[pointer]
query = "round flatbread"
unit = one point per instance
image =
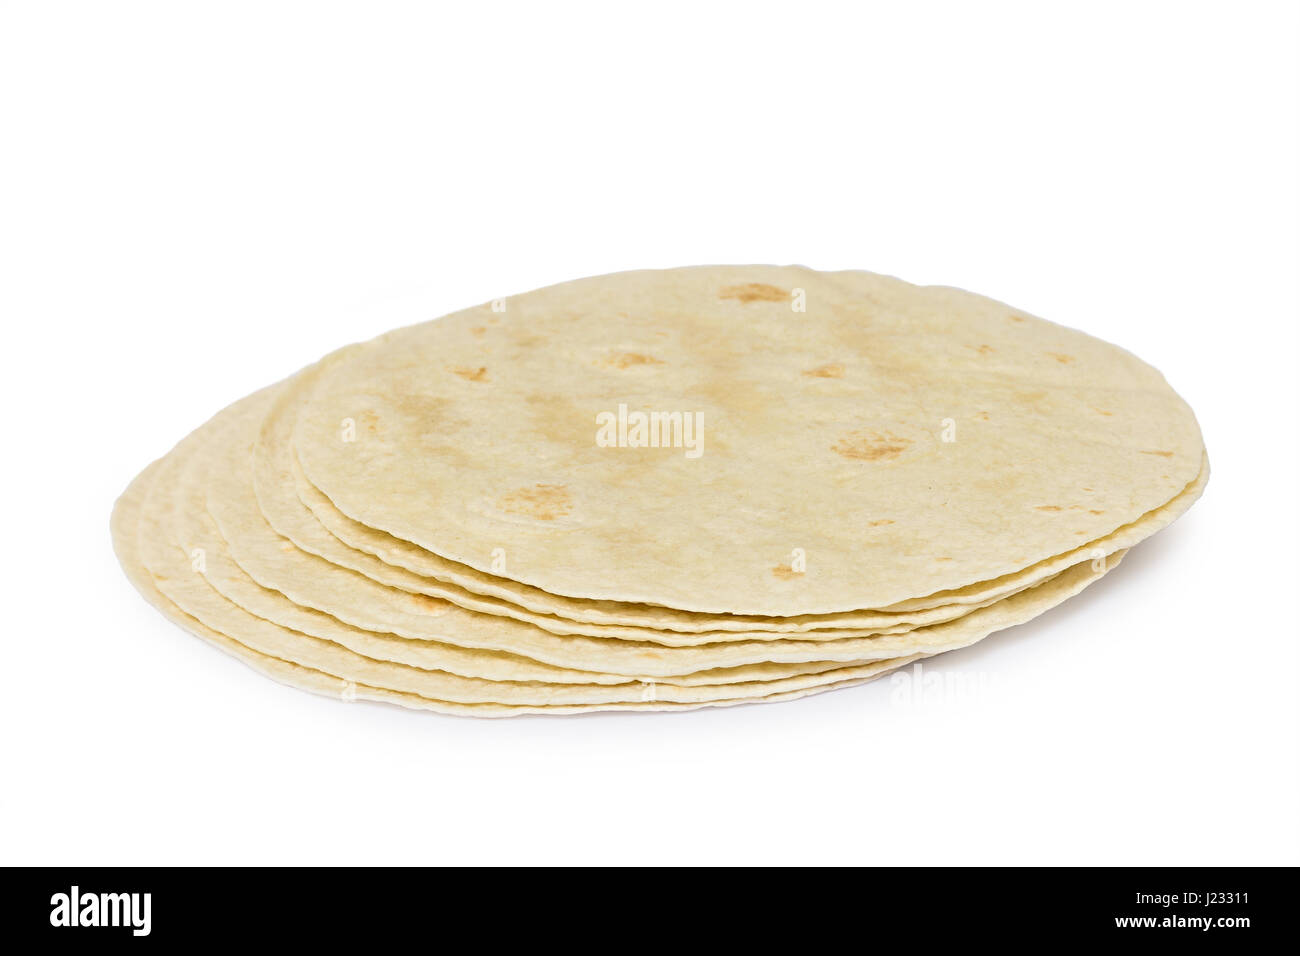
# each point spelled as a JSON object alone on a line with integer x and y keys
{"x": 827, "y": 442}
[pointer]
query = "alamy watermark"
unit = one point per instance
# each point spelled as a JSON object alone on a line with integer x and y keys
{"x": 920, "y": 686}
{"x": 76, "y": 908}
{"x": 637, "y": 429}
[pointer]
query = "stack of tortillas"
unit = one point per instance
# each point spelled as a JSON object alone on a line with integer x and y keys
{"x": 658, "y": 491}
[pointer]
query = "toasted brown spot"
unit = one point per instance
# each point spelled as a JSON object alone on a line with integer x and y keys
{"x": 943, "y": 559}
{"x": 544, "y": 502}
{"x": 1061, "y": 357}
{"x": 1016, "y": 318}
{"x": 369, "y": 420}
{"x": 877, "y": 524}
{"x": 471, "y": 374}
{"x": 1049, "y": 507}
{"x": 628, "y": 359}
{"x": 1102, "y": 411}
{"x": 478, "y": 329}
{"x": 754, "y": 292}
{"x": 982, "y": 416}
{"x": 833, "y": 370}
{"x": 785, "y": 573}
{"x": 871, "y": 446}
{"x": 424, "y": 604}
{"x": 1096, "y": 511}
{"x": 1162, "y": 454}
{"x": 1087, "y": 489}
{"x": 982, "y": 349}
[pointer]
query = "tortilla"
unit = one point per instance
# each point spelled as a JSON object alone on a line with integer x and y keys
{"x": 825, "y": 436}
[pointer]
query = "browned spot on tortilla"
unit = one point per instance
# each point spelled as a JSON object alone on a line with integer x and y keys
{"x": 833, "y": 370}
{"x": 1096, "y": 511}
{"x": 628, "y": 359}
{"x": 1162, "y": 454}
{"x": 1102, "y": 411}
{"x": 471, "y": 374}
{"x": 982, "y": 416}
{"x": 943, "y": 559}
{"x": 427, "y": 414}
{"x": 754, "y": 292}
{"x": 877, "y": 524}
{"x": 871, "y": 446}
{"x": 1049, "y": 507}
{"x": 369, "y": 420}
{"x": 1016, "y": 318}
{"x": 982, "y": 349}
{"x": 424, "y": 604}
{"x": 478, "y": 329}
{"x": 544, "y": 502}
{"x": 1061, "y": 357}
{"x": 1087, "y": 489}
{"x": 1081, "y": 532}
{"x": 784, "y": 573}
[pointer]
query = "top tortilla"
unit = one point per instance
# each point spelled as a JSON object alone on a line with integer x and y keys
{"x": 824, "y": 430}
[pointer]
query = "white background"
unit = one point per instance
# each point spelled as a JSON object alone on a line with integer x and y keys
{"x": 199, "y": 198}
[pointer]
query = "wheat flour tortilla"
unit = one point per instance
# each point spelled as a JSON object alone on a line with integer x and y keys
{"x": 168, "y": 556}
{"x": 306, "y": 580}
{"x": 125, "y": 532}
{"x": 824, "y": 431}
{"x": 282, "y": 504}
